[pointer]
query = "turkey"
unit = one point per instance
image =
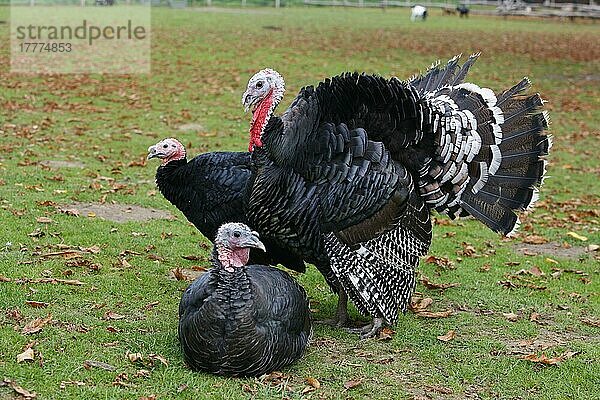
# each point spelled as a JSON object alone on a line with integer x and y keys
{"x": 210, "y": 191}
{"x": 349, "y": 174}
{"x": 239, "y": 320}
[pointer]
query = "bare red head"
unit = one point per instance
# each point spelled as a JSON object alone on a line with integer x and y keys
{"x": 167, "y": 150}
{"x": 233, "y": 243}
{"x": 263, "y": 94}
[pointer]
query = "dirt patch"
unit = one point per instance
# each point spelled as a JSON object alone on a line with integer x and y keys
{"x": 191, "y": 127}
{"x": 551, "y": 249}
{"x": 116, "y": 212}
{"x": 62, "y": 164}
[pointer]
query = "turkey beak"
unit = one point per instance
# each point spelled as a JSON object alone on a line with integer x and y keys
{"x": 247, "y": 100}
{"x": 254, "y": 241}
{"x": 152, "y": 153}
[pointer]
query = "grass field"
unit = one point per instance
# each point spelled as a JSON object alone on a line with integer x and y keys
{"x": 83, "y": 138}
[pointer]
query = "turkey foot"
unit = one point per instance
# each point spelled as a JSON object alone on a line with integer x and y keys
{"x": 341, "y": 318}
{"x": 369, "y": 331}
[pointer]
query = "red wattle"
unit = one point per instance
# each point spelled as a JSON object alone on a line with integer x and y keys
{"x": 259, "y": 120}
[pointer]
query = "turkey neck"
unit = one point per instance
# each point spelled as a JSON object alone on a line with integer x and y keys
{"x": 232, "y": 290}
{"x": 171, "y": 179}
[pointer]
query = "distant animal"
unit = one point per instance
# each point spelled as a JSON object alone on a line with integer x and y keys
{"x": 240, "y": 320}
{"x": 210, "y": 190}
{"x": 418, "y": 12}
{"x": 463, "y": 10}
{"x": 348, "y": 175}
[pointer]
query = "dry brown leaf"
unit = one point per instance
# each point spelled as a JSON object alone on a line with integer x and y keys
{"x": 535, "y": 239}
{"x": 434, "y": 314}
{"x": 443, "y": 262}
{"x": 577, "y": 236}
{"x": 18, "y": 389}
{"x": 36, "y": 304}
{"x": 112, "y": 315}
{"x": 36, "y": 325}
{"x": 88, "y": 364}
{"x": 158, "y": 357}
{"x": 417, "y": 305}
{"x": 193, "y": 258}
{"x": 386, "y": 333}
{"x": 27, "y": 355}
{"x": 44, "y": 220}
{"x": 178, "y": 274}
{"x": 352, "y": 383}
{"x": 313, "y": 382}
{"x": 5, "y": 279}
{"x": 536, "y": 271}
{"x": 64, "y": 384}
{"x": 512, "y": 317}
{"x": 451, "y": 334}
{"x": 430, "y": 285}
{"x": 134, "y": 357}
{"x": 591, "y": 321}
{"x": 544, "y": 359}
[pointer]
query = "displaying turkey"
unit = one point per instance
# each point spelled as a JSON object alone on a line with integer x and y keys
{"x": 240, "y": 320}
{"x": 210, "y": 190}
{"x": 348, "y": 175}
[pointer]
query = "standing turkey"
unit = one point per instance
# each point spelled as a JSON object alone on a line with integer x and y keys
{"x": 348, "y": 175}
{"x": 210, "y": 190}
{"x": 240, "y": 320}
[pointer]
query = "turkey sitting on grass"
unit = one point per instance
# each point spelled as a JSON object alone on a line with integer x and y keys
{"x": 210, "y": 191}
{"x": 348, "y": 175}
{"x": 240, "y": 320}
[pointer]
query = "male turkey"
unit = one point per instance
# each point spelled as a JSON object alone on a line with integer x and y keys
{"x": 210, "y": 191}
{"x": 348, "y": 175}
{"x": 240, "y": 320}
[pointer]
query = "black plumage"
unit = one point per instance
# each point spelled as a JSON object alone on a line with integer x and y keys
{"x": 348, "y": 175}
{"x": 210, "y": 190}
{"x": 239, "y": 320}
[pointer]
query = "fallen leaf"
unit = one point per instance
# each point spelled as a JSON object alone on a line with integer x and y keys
{"x": 512, "y": 317}
{"x": 352, "y": 383}
{"x": 386, "y": 333}
{"x": 577, "y": 236}
{"x": 36, "y": 325}
{"x": 451, "y": 334}
{"x": 193, "y": 258}
{"x": 591, "y": 321}
{"x": 88, "y": 364}
{"x": 112, "y": 315}
{"x": 27, "y": 355}
{"x": 134, "y": 357}
{"x": 593, "y": 247}
{"x": 544, "y": 359}
{"x": 36, "y": 304}
{"x": 178, "y": 274}
{"x": 536, "y": 271}
{"x": 535, "y": 239}
{"x": 159, "y": 358}
{"x": 64, "y": 384}
{"x": 434, "y": 314}
{"x": 430, "y": 285}
{"x": 18, "y": 389}
{"x": 313, "y": 382}
{"x": 44, "y": 220}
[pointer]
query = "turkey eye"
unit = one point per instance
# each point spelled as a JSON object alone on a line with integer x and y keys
{"x": 236, "y": 234}
{"x": 165, "y": 146}
{"x": 259, "y": 85}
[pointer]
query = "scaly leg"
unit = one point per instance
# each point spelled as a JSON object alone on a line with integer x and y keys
{"x": 341, "y": 317}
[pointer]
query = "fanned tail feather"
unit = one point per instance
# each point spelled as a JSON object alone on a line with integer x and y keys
{"x": 490, "y": 149}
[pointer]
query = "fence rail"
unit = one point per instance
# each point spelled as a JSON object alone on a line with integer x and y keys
{"x": 496, "y": 7}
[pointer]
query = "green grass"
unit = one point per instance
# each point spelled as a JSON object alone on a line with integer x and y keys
{"x": 201, "y": 63}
